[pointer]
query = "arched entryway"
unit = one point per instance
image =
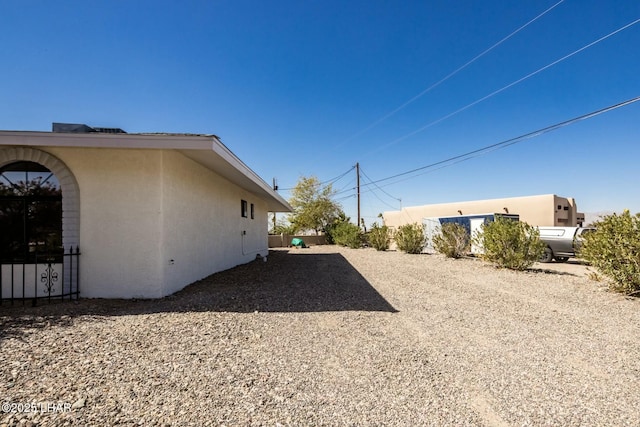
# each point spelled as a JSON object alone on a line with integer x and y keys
{"x": 40, "y": 221}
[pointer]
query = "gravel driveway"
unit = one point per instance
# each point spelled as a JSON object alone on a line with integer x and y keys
{"x": 334, "y": 336}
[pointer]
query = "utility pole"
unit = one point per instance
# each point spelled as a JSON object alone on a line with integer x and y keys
{"x": 358, "y": 190}
{"x": 275, "y": 188}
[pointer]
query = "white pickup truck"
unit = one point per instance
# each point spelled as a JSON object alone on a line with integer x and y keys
{"x": 562, "y": 242}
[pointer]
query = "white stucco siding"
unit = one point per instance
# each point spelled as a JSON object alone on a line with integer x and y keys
{"x": 202, "y": 223}
{"x": 151, "y": 213}
{"x": 120, "y": 220}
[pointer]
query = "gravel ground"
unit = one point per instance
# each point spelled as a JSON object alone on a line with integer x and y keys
{"x": 333, "y": 336}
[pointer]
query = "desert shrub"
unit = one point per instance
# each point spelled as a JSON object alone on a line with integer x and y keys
{"x": 330, "y": 228}
{"x": 347, "y": 234}
{"x": 453, "y": 240}
{"x": 614, "y": 250}
{"x": 510, "y": 244}
{"x": 379, "y": 237}
{"x": 410, "y": 238}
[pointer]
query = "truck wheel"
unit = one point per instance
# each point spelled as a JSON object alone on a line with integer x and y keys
{"x": 547, "y": 256}
{"x": 562, "y": 258}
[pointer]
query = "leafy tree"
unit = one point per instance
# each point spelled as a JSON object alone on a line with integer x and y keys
{"x": 510, "y": 244}
{"x": 453, "y": 240}
{"x": 410, "y": 238}
{"x": 313, "y": 207}
{"x": 614, "y": 249}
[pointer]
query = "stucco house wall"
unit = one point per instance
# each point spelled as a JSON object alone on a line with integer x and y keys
{"x": 120, "y": 212}
{"x": 151, "y": 214}
{"x": 202, "y": 226}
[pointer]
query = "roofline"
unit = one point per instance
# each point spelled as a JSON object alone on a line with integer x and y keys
{"x": 195, "y": 147}
{"x": 481, "y": 200}
{"x": 107, "y": 140}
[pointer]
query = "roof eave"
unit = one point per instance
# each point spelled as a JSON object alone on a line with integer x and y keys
{"x": 207, "y": 150}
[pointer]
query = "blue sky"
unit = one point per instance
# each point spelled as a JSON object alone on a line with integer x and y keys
{"x": 298, "y": 88}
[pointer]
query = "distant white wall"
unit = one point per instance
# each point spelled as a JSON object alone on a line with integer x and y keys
{"x": 284, "y": 240}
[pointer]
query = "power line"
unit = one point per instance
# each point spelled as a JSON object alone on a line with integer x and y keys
{"x": 350, "y": 183}
{"x": 520, "y": 80}
{"x": 329, "y": 181}
{"x": 376, "y": 185}
{"x": 448, "y": 76}
{"x": 481, "y": 151}
{"x": 382, "y": 201}
{"x": 345, "y": 191}
{"x": 345, "y": 197}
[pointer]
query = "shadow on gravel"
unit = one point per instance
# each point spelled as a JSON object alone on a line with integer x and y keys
{"x": 288, "y": 282}
{"x": 551, "y": 271}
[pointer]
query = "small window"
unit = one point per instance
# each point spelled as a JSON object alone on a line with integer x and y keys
{"x": 243, "y": 208}
{"x": 252, "y": 211}
{"x": 559, "y": 207}
{"x": 566, "y": 208}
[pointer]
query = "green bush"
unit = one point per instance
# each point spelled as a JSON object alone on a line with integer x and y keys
{"x": 330, "y": 228}
{"x": 410, "y": 238}
{"x": 453, "y": 240}
{"x": 510, "y": 244}
{"x": 347, "y": 234}
{"x": 614, "y": 249}
{"x": 379, "y": 237}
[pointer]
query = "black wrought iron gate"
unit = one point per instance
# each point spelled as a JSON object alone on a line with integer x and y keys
{"x": 47, "y": 277}
{"x": 33, "y": 263}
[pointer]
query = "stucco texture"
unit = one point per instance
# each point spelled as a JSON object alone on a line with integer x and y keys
{"x": 152, "y": 221}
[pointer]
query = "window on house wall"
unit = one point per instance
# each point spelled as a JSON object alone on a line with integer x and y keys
{"x": 30, "y": 212}
{"x": 243, "y": 208}
{"x": 252, "y": 211}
